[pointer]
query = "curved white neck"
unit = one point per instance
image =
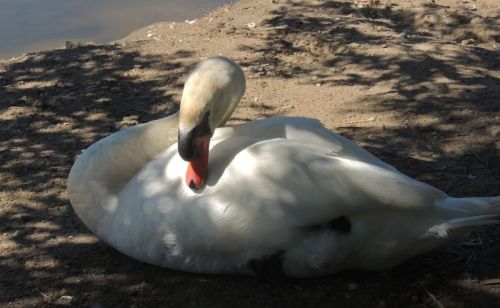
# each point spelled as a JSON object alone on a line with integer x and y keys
{"x": 102, "y": 170}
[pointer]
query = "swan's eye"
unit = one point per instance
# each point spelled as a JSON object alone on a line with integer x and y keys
{"x": 203, "y": 128}
{"x": 186, "y": 146}
{"x": 187, "y": 141}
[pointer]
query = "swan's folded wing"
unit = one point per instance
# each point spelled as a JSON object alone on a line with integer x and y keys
{"x": 305, "y": 184}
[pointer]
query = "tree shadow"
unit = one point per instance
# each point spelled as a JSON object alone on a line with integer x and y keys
{"x": 435, "y": 85}
{"x": 444, "y": 92}
{"x": 56, "y": 103}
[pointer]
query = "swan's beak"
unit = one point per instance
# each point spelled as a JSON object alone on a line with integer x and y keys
{"x": 197, "y": 166}
{"x": 193, "y": 148}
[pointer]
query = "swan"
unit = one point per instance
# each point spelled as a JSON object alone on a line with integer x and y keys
{"x": 281, "y": 196}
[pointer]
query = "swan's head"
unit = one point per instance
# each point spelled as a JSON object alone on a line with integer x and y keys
{"x": 211, "y": 92}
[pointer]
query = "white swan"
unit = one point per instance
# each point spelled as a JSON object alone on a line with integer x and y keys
{"x": 280, "y": 195}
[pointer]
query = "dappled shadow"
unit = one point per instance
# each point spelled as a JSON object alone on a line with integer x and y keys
{"x": 435, "y": 72}
{"x": 56, "y": 103}
{"x": 416, "y": 61}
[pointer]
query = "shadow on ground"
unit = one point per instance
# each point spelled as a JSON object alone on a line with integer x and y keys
{"x": 56, "y": 103}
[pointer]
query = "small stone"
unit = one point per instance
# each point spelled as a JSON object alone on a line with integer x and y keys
{"x": 494, "y": 131}
{"x": 318, "y": 84}
{"x": 468, "y": 42}
{"x": 65, "y": 300}
{"x": 251, "y": 25}
{"x": 71, "y": 45}
{"x": 371, "y": 119}
{"x": 129, "y": 121}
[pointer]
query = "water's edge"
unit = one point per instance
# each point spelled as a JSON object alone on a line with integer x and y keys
{"x": 28, "y": 30}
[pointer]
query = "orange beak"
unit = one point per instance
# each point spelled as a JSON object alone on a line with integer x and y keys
{"x": 196, "y": 173}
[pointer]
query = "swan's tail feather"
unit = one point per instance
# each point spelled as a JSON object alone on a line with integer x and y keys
{"x": 460, "y": 216}
{"x": 461, "y": 226}
{"x": 468, "y": 207}
{"x": 474, "y": 221}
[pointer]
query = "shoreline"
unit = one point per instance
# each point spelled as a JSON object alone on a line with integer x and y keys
{"x": 110, "y": 26}
{"x": 416, "y": 83}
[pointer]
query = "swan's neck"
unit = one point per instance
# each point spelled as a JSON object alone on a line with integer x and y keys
{"x": 102, "y": 170}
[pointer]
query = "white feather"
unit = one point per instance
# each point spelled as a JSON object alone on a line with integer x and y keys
{"x": 268, "y": 181}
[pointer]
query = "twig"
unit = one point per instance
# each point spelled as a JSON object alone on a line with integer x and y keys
{"x": 434, "y": 299}
{"x": 470, "y": 258}
{"x": 460, "y": 182}
{"x": 491, "y": 281}
{"x": 45, "y": 296}
{"x": 442, "y": 169}
{"x": 479, "y": 239}
{"x": 357, "y": 122}
{"x": 468, "y": 244}
{"x": 480, "y": 160}
{"x": 455, "y": 185}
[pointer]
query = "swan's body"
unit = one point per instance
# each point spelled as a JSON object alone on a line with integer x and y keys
{"x": 273, "y": 187}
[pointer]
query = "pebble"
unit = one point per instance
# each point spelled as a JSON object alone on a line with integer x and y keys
{"x": 251, "y": 25}
{"x": 65, "y": 299}
{"x": 494, "y": 131}
{"x": 468, "y": 42}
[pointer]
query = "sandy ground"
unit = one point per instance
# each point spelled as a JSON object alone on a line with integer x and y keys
{"x": 415, "y": 82}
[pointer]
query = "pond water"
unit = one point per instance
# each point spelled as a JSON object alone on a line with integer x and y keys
{"x": 31, "y": 25}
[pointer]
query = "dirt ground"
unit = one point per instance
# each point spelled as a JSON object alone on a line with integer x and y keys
{"x": 415, "y": 82}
